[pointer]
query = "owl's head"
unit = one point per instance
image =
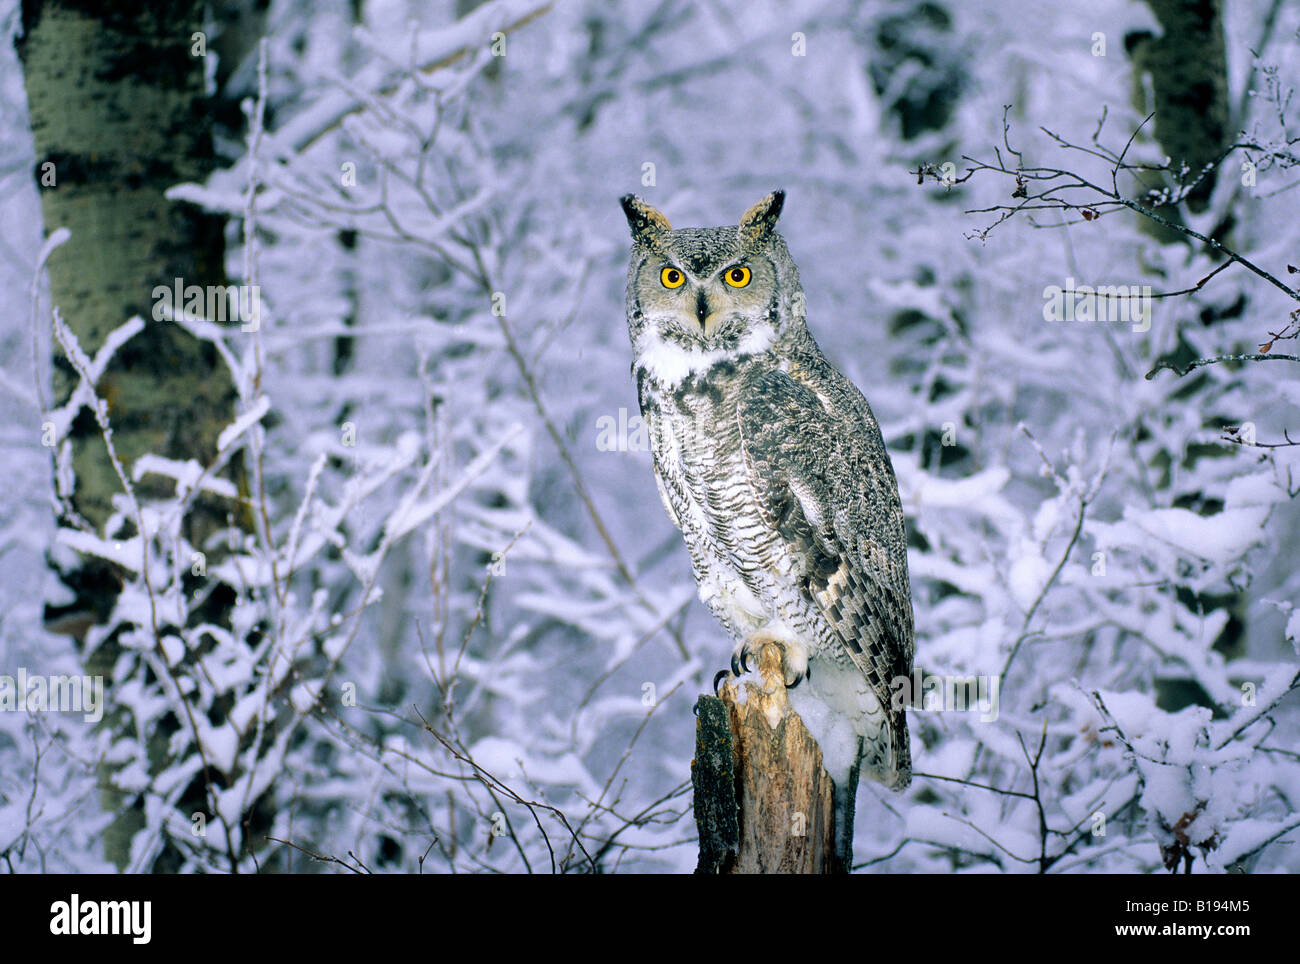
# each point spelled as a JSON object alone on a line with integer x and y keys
{"x": 696, "y": 296}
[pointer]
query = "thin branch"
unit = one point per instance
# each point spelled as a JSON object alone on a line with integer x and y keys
{"x": 1216, "y": 360}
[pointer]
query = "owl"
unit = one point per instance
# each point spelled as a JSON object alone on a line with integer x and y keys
{"x": 771, "y": 464}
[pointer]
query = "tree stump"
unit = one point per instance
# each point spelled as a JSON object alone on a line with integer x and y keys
{"x": 763, "y": 802}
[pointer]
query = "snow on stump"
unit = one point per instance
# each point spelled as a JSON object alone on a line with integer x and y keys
{"x": 763, "y": 802}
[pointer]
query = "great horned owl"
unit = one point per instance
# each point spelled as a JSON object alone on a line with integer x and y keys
{"x": 772, "y": 465}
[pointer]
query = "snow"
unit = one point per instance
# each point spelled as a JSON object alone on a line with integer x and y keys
{"x": 188, "y": 475}
{"x": 364, "y": 617}
{"x": 1029, "y": 574}
{"x": 1217, "y": 539}
{"x": 243, "y": 423}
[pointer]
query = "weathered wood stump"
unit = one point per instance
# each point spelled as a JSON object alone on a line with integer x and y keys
{"x": 763, "y": 802}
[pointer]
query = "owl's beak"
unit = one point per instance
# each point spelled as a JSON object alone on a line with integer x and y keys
{"x": 702, "y": 308}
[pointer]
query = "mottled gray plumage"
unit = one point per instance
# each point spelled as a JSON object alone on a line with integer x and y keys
{"x": 772, "y": 465}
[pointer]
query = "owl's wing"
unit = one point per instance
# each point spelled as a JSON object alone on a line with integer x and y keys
{"x": 824, "y": 482}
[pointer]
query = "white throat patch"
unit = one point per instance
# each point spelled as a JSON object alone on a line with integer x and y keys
{"x": 669, "y": 364}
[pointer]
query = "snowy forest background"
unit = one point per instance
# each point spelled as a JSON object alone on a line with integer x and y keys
{"x": 432, "y": 616}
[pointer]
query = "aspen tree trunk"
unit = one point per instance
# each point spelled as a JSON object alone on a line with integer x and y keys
{"x": 119, "y": 114}
{"x": 763, "y": 802}
{"x": 1182, "y": 76}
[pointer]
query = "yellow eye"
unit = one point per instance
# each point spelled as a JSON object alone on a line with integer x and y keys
{"x": 737, "y": 277}
{"x": 672, "y": 278}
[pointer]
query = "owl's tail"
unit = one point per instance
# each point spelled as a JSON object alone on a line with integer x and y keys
{"x": 889, "y": 760}
{"x": 902, "y": 752}
{"x": 890, "y": 764}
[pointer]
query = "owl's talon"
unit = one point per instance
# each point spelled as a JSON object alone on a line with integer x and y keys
{"x": 722, "y": 674}
{"x": 794, "y": 658}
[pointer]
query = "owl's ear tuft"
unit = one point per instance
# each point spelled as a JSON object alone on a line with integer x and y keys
{"x": 758, "y": 223}
{"x": 647, "y": 223}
